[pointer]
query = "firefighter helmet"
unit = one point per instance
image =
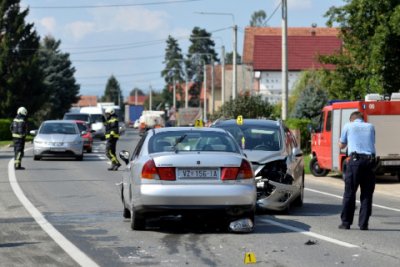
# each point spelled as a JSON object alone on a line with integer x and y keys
{"x": 110, "y": 111}
{"x": 22, "y": 111}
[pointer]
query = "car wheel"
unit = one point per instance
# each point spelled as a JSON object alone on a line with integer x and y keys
{"x": 36, "y": 157}
{"x": 398, "y": 176}
{"x": 89, "y": 150}
{"x": 298, "y": 202}
{"x": 127, "y": 213}
{"x": 316, "y": 170}
{"x": 137, "y": 222}
{"x": 79, "y": 158}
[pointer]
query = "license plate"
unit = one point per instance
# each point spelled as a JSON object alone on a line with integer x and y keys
{"x": 390, "y": 162}
{"x": 198, "y": 173}
{"x": 57, "y": 149}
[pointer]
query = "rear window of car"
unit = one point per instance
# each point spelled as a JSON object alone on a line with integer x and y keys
{"x": 192, "y": 141}
{"x": 77, "y": 116}
{"x": 58, "y": 128}
{"x": 263, "y": 137}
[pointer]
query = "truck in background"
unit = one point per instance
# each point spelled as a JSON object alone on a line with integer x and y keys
{"x": 132, "y": 113}
{"x": 383, "y": 113}
{"x": 97, "y": 120}
{"x": 150, "y": 119}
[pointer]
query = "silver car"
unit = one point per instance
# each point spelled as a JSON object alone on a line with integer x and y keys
{"x": 186, "y": 171}
{"x": 57, "y": 139}
{"x": 276, "y": 158}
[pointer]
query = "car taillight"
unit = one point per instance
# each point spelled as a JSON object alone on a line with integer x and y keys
{"x": 150, "y": 171}
{"x": 167, "y": 173}
{"x": 245, "y": 171}
{"x": 233, "y": 173}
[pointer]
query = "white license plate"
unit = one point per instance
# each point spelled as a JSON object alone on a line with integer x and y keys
{"x": 390, "y": 162}
{"x": 198, "y": 173}
{"x": 57, "y": 149}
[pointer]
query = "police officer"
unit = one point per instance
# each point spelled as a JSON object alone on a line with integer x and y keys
{"x": 19, "y": 129}
{"x": 112, "y": 135}
{"x": 359, "y": 137}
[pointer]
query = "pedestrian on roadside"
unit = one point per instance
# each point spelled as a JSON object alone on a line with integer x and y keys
{"x": 19, "y": 130}
{"x": 112, "y": 136}
{"x": 359, "y": 138}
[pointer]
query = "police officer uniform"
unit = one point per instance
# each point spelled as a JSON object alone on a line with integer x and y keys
{"x": 359, "y": 137}
{"x": 112, "y": 136}
{"x": 19, "y": 130}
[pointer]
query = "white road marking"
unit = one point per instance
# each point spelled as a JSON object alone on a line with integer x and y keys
{"x": 308, "y": 233}
{"x": 340, "y": 197}
{"x": 80, "y": 257}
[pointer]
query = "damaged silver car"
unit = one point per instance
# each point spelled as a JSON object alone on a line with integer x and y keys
{"x": 276, "y": 159}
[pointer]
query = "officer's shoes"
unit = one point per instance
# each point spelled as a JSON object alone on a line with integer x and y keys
{"x": 116, "y": 166}
{"x": 344, "y": 226}
{"x": 111, "y": 168}
{"x": 19, "y": 168}
{"x": 364, "y": 228}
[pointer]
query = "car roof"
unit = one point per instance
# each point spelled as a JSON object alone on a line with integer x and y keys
{"x": 253, "y": 122}
{"x": 175, "y": 129}
{"x": 60, "y": 121}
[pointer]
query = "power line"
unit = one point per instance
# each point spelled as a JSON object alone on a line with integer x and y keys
{"x": 273, "y": 12}
{"x": 114, "y": 5}
{"x": 117, "y": 59}
{"x": 121, "y": 75}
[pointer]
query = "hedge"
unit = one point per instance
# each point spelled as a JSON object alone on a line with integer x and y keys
{"x": 5, "y": 133}
{"x": 302, "y": 125}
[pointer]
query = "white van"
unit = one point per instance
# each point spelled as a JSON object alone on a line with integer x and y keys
{"x": 97, "y": 120}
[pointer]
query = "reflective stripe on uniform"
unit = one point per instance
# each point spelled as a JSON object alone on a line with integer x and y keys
{"x": 15, "y": 135}
{"x": 18, "y": 120}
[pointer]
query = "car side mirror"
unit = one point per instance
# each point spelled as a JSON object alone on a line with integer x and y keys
{"x": 83, "y": 132}
{"x": 33, "y": 132}
{"x": 297, "y": 152}
{"x": 124, "y": 155}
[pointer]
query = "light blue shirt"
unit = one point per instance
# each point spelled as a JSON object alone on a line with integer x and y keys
{"x": 359, "y": 137}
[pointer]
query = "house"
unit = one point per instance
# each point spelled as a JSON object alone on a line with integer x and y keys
{"x": 262, "y": 54}
{"x": 86, "y": 101}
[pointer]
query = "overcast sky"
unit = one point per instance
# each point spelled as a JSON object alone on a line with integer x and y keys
{"x": 126, "y": 38}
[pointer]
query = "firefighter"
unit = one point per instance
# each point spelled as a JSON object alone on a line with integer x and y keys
{"x": 112, "y": 135}
{"x": 359, "y": 138}
{"x": 19, "y": 130}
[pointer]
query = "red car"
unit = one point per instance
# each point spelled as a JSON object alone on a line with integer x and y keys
{"x": 87, "y": 137}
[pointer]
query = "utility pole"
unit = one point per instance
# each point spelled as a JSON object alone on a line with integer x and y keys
{"x": 284, "y": 62}
{"x": 136, "y": 95}
{"x": 222, "y": 75}
{"x": 174, "y": 93}
{"x": 186, "y": 89}
{"x": 234, "y": 73}
{"x": 212, "y": 86}
{"x": 150, "y": 98}
{"x": 205, "y": 91}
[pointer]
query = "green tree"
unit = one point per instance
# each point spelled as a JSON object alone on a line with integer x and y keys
{"x": 229, "y": 58}
{"x": 310, "y": 103}
{"x": 59, "y": 80}
{"x": 258, "y": 19}
{"x": 369, "y": 61}
{"x": 20, "y": 74}
{"x": 112, "y": 92}
{"x": 247, "y": 106}
{"x": 201, "y": 51}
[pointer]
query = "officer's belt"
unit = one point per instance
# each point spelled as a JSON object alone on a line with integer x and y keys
{"x": 361, "y": 156}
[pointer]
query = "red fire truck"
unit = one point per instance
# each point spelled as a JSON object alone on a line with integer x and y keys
{"x": 383, "y": 113}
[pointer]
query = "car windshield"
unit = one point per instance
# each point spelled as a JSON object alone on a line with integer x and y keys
{"x": 192, "y": 141}
{"x": 58, "y": 128}
{"x": 97, "y": 118}
{"x": 256, "y": 137}
{"x": 82, "y": 127}
{"x": 77, "y": 116}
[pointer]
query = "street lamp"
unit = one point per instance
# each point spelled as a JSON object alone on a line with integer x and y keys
{"x": 234, "y": 27}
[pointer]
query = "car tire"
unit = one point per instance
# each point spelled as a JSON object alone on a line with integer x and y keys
{"x": 79, "y": 158}
{"x": 137, "y": 222}
{"x": 36, "y": 157}
{"x": 298, "y": 202}
{"x": 316, "y": 170}
{"x": 89, "y": 150}
{"x": 127, "y": 213}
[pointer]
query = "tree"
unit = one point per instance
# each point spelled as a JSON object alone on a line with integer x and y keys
{"x": 229, "y": 58}
{"x": 139, "y": 92}
{"x": 20, "y": 74}
{"x": 310, "y": 103}
{"x": 112, "y": 92}
{"x": 59, "y": 80}
{"x": 258, "y": 19}
{"x": 369, "y": 61}
{"x": 201, "y": 51}
{"x": 247, "y": 106}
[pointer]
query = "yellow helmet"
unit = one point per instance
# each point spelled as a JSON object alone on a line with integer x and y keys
{"x": 22, "y": 111}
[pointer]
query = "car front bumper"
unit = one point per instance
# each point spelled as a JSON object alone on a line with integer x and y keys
{"x": 58, "y": 151}
{"x": 280, "y": 198}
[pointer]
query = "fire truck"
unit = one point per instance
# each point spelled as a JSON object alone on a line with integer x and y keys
{"x": 382, "y": 112}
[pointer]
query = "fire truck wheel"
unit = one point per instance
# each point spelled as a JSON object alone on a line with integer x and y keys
{"x": 398, "y": 176}
{"x": 316, "y": 170}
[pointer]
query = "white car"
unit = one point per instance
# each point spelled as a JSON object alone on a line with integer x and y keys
{"x": 57, "y": 138}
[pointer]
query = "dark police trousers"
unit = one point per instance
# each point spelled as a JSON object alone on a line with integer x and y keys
{"x": 359, "y": 172}
{"x": 111, "y": 146}
{"x": 19, "y": 146}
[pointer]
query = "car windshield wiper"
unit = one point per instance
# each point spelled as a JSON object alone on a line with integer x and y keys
{"x": 178, "y": 141}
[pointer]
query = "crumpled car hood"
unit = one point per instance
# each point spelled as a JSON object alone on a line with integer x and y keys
{"x": 262, "y": 156}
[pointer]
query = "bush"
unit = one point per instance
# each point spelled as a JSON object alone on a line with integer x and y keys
{"x": 5, "y": 133}
{"x": 305, "y": 135}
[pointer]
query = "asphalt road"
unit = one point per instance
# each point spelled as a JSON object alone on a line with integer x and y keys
{"x": 79, "y": 206}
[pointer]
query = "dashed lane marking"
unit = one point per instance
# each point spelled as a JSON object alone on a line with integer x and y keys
{"x": 73, "y": 251}
{"x": 340, "y": 197}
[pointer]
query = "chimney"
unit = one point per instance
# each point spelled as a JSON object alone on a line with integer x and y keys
{"x": 313, "y": 30}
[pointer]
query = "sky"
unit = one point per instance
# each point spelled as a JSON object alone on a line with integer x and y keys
{"x": 127, "y": 38}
